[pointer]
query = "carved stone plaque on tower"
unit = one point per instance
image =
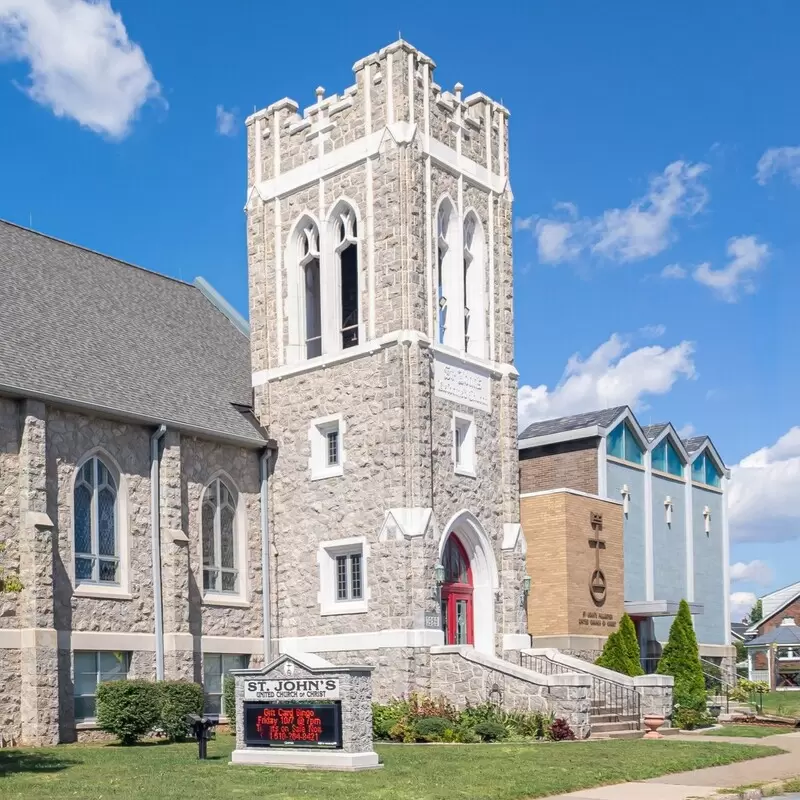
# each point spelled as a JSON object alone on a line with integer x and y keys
{"x": 461, "y": 383}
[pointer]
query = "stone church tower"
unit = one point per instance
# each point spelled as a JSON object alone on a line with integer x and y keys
{"x": 381, "y": 308}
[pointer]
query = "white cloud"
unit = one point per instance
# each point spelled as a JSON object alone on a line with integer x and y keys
{"x": 687, "y": 431}
{"x": 611, "y": 376}
{"x": 226, "y": 122}
{"x": 752, "y": 572}
{"x": 653, "y": 331}
{"x": 763, "y": 504}
{"x": 82, "y": 64}
{"x": 643, "y": 229}
{"x": 741, "y": 604}
{"x": 779, "y": 159}
{"x": 747, "y": 255}
{"x": 674, "y": 271}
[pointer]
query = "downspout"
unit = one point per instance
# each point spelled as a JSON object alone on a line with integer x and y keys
{"x": 264, "y": 462}
{"x": 155, "y": 531}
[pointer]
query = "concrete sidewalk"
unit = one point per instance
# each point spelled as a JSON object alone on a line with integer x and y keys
{"x": 706, "y": 782}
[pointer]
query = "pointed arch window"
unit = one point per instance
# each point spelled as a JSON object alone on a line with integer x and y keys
{"x": 474, "y": 288}
{"x": 469, "y": 235}
{"x": 309, "y": 262}
{"x": 96, "y": 524}
{"x": 347, "y": 255}
{"x": 220, "y": 568}
{"x": 442, "y": 246}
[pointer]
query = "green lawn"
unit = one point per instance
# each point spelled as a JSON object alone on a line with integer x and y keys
{"x": 754, "y": 731}
{"x": 433, "y": 772}
{"x": 782, "y": 704}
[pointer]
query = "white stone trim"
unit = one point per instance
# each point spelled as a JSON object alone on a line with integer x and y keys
{"x": 493, "y": 368}
{"x": 369, "y": 146}
{"x": 333, "y": 760}
{"x": 404, "y": 523}
{"x": 577, "y": 492}
{"x": 602, "y": 467}
{"x": 516, "y": 641}
{"x": 726, "y": 560}
{"x": 318, "y": 431}
{"x": 326, "y": 558}
{"x": 102, "y": 640}
{"x": 658, "y": 608}
{"x": 368, "y": 640}
{"x": 279, "y": 266}
{"x": 232, "y": 645}
{"x": 464, "y": 424}
{"x": 688, "y": 524}
{"x": 512, "y": 532}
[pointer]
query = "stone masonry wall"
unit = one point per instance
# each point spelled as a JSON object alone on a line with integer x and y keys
{"x": 566, "y": 465}
{"x": 9, "y": 505}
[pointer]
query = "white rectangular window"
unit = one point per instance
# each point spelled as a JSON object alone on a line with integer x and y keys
{"x": 464, "y": 444}
{"x": 326, "y": 437}
{"x": 343, "y": 576}
{"x": 215, "y": 667}
{"x": 91, "y": 669}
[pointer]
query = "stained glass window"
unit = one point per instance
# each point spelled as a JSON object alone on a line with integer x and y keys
{"x": 218, "y": 521}
{"x": 455, "y": 563}
{"x": 95, "y": 525}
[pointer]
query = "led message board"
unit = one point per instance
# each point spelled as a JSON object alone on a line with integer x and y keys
{"x": 292, "y": 725}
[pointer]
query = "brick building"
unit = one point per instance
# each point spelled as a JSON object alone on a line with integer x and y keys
{"x": 637, "y": 522}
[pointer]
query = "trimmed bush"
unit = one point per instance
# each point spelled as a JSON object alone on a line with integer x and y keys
{"x": 681, "y": 659}
{"x": 128, "y": 709}
{"x": 490, "y": 731}
{"x": 687, "y": 719}
{"x": 431, "y": 729}
{"x": 177, "y": 699}
{"x": 229, "y": 699}
{"x": 621, "y": 650}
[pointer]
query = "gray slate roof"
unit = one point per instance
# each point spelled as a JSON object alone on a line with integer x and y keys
{"x": 694, "y": 444}
{"x": 603, "y": 418}
{"x": 91, "y": 330}
{"x": 783, "y": 634}
{"x": 652, "y": 431}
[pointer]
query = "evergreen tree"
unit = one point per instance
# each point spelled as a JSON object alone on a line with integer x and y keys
{"x": 681, "y": 659}
{"x": 755, "y": 614}
{"x": 621, "y": 650}
{"x": 628, "y": 633}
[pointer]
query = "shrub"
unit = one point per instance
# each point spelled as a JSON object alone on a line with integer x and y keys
{"x": 128, "y": 709}
{"x": 229, "y": 699}
{"x": 621, "y": 650}
{"x": 431, "y": 729}
{"x": 560, "y": 731}
{"x": 177, "y": 699}
{"x": 490, "y": 731}
{"x": 682, "y": 660}
{"x": 419, "y": 705}
{"x": 688, "y": 719}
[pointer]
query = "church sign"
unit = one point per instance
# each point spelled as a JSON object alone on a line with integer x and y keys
{"x": 307, "y": 689}
{"x": 292, "y": 724}
{"x": 461, "y": 384}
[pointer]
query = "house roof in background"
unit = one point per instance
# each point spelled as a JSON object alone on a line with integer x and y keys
{"x": 83, "y": 329}
{"x": 775, "y": 602}
{"x": 783, "y": 634}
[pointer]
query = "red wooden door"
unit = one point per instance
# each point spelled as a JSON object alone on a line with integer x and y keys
{"x": 457, "y": 594}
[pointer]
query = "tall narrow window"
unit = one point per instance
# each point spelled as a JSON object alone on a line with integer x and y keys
{"x": 442, "y": 224}
{"x": 469, "y": 234}
{"x": 623, "y": 444}
{"x": 220, "y": 570}
{"x": 474, "y": 290}
{"x": 309, "y": 261}
{"x": 348, "y": 577}
{"x": 347, "y": 251}
{"x": 95, "y": 524}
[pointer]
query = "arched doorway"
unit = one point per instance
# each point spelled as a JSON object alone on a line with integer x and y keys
{"x": 457, "y": 591}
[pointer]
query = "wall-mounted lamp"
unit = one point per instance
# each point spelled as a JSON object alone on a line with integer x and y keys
{"x": 668, "y": 510}
{"x": 707, "y": 519}
{"x": 526, "y": 584}
{"x": 439, "y": 571}
{"x": 626, "y": 499}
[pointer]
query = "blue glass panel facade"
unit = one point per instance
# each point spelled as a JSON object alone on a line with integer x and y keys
{"x": 633, "y": 526}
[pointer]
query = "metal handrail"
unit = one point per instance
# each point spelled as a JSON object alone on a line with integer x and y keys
{"x": 609, "y": 698}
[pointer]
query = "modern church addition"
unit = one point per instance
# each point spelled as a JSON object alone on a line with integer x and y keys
{"x": 342, "y": 476}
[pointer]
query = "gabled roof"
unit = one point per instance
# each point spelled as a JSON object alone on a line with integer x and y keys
{"x": 602, "y": 418}
{"x": 775, "y": 602}
{"x": 652, "y": 431}
{"x": 85, "y": 330}
{"x": 694, "y": 443}
{"x": 738, "y": 630}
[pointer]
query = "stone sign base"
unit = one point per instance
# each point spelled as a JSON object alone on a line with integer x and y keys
{"x": 306, "y": 759}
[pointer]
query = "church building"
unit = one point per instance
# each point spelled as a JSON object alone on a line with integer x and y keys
{"x": 183, "y": 493}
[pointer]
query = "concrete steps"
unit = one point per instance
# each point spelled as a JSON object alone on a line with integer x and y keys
{"x": 608, "y": 724}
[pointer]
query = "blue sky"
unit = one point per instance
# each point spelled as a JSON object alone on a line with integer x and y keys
{"x": 636, "y": 137}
